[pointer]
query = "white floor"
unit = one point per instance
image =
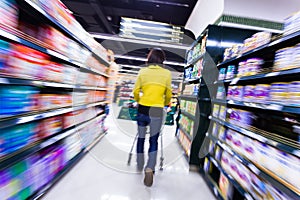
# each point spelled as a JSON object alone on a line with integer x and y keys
{"x": 103, "y": 174}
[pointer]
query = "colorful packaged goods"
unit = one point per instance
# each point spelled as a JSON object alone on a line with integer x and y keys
{"x": 25, "y": 62}
{"x": 17, "y": 137}
{"x": 18, "y": 99}
{"x": 9, "y": 13}
{"x": 292, "y": 23}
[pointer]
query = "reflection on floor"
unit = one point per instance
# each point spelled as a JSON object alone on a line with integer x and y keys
{"x": 103, "y": 174}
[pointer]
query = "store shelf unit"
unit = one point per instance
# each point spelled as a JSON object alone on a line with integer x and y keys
{"x": 201, "y": 73}
{"x": 33, "y": 7}
{"x": 66, "y": 169}
{"x": 258, "y": 170}
{"x": 260, "y": 131}
{"x": 52, "y": 91}
{"x": 125, "y": 92}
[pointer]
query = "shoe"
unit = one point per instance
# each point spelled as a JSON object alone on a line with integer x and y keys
{"x": 148, "y": 180}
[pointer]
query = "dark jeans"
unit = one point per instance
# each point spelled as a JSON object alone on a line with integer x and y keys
{"x": 155, "y": 124}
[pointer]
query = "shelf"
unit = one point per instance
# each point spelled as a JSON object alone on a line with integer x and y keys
{"x": 257, "y": 136}
{"x": 64, "y": 29}
{"x": 275, "y": 74}
{"x": 39, "y": 83}
{"x": 213, "y": 186}
{"x": 11, "y": 159}
{"x": 34, "y": 116}
{"x": 186, "y": 134}
{"x": 192, "y": 81}
{"x": 188, "y": 115}
{"x": 195, "y": 60}
{"x": 260, "y": 171}
{"x": 205, "y": 99}
{"x": 192, "y": 97}
{"x": 236, "y": 185}
{"x": 52, "y": 53}
{"x": 270, "y": 107}
{"x": 276, "y": 44}
{"x": 66, "y": 169}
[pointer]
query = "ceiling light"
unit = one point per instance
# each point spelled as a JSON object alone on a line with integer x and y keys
{"x": 167, "y": 3}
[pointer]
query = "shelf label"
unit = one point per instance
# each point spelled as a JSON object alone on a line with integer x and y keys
{"x": 254, "y": 169}
{"x": 234, "y": 81}
{"x": 296, "y": 152}
{"x": 58, "y": 55}
{"x": 248, "y": 196}
{"x": 10, "y": 36}
{"x": 272, "y": 74}
{"x": 216, "y": 191}
{"x": 4, "y": 81}
{"x": 275, "y": 107}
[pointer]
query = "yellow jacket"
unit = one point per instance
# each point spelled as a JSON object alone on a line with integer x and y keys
{"x": 154, "y": 82}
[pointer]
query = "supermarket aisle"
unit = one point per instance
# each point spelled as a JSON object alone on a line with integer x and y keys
{"x": 103, "y": 174}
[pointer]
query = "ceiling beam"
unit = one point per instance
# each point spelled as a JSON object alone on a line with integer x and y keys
{"x": 101, "y": 15}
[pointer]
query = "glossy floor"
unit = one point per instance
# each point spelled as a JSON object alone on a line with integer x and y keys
{"x": 103, "y": 174}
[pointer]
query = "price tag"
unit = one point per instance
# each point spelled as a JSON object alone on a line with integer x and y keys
{"x": 296, "y": 152}
{"x": 4, "y": 81}
{"x": 275, "y": 107}
{"x": 234, "y": 81}
{"x": 272, "y": 74}
{"x": 216, "y": 191}
{"x": 248, "y": 196}
{"x": 254, "y": 169}
{"x": 58, "y": 55}
{"x": 9, "y": 36}
{"x": 231, "y": 102}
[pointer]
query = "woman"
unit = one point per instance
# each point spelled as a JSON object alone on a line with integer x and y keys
{"x": 152, "y": 91}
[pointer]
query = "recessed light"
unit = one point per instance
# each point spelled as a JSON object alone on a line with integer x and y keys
{"x": 109, "y": 18}
{"x": 157, "y": 5}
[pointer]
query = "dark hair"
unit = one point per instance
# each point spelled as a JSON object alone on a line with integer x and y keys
{"x": 156, "y": 56}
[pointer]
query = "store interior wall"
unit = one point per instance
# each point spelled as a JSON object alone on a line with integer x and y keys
{"x": 207, "y": 12}
{"x": 270, "y": 10}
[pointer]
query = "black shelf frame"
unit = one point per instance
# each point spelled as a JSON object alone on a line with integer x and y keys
{"x": 32, "y": 6}
{"x": 189, "y": 97}
{"x": 34, "y": 116}
{"x": 283, "y": 147}
{"x": 21, "y": 154}
{"x": 257, "y": 170}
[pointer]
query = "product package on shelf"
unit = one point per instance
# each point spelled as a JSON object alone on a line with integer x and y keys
{"x": 257, "y": 40}
{"x": 258, "y": 188}
{"x": 292, "y": 23}
{"x": 18, "y": 99}
{"x": 14, "y": 138}
{"x": 280, "y": 163}
{"x": 191, "y": 89}
{"x": 50, "y": 126}
{"x": 9, "y": 13}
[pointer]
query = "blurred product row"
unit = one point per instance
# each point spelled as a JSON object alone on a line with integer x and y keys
{"x": 53, "y": 90}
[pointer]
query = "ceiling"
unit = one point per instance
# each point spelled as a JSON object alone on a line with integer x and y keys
{"x": 104, "y": 16}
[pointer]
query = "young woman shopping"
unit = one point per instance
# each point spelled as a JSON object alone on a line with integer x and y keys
{"x": 152, "y": 91}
